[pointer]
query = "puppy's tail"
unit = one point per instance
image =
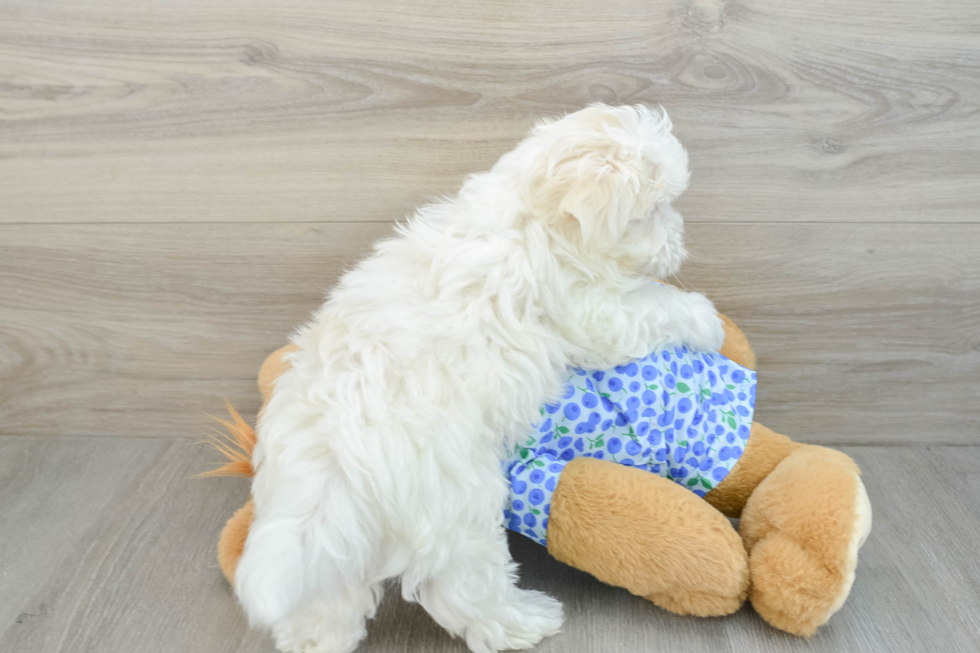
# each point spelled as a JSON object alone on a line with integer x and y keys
{"x": 236, "y": 446}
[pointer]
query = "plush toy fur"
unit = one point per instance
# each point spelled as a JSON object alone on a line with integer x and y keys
{"x": 804, "y": 515}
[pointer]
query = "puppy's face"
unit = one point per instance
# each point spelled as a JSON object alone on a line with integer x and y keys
{"x": 603, "y": 180}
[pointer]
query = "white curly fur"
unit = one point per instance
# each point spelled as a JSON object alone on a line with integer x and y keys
{"x": 379, "y": 453}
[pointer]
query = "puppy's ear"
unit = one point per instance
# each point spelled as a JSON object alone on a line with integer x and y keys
{"x": 585, "y": 185}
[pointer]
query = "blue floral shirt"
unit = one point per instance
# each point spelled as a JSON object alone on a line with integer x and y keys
{"x": 681, "y": 414}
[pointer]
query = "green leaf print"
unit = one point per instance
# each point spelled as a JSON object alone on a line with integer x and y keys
{"x": 599, "y": 443}
{"x": 731, "y": 422}
{"x": 538, "y": 462}
{"x": 524, "y": 453}
{"x": 652, "y": 386}
{"x": 706, "y": 483}
{"x": 692, "y": 482}
{"x": 683, "y": 387}
{"x": 563, "y": 429}
{"x": 730, "y": 386}
{"x": 683, "y": 443}
{"x": 535, "y": 511}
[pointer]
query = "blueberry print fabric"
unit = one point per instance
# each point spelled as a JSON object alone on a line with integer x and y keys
{"x": 681, "y": 414}
{"x": 533, "y": 480}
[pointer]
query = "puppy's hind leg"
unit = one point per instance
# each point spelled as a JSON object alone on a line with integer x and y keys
{"x": 475, "y": 596}
{"x": 270, "y": 578}
{"x": 335, "y": 625}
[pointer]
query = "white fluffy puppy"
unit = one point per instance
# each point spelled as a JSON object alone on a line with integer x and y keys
{"x": 379, "y": 452}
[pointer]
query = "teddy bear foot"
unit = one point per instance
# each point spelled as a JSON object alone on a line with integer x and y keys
{"x": 803, "y": 526}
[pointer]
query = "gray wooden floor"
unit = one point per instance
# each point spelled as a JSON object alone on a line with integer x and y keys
{"x": 108, "y": 546}
{"x": 181, "y": 181}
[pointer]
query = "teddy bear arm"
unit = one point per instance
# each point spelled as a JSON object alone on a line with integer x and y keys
{"x": 736, "y": 346}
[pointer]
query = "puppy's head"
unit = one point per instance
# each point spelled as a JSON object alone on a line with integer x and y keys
{"x": 602, "y": 179}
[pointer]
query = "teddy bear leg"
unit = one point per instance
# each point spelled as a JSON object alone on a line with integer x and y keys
{"x": 802, "y": 527}
{"x": 640, "y": 531}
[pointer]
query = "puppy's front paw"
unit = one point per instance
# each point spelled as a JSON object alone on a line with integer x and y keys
{"x": 706, "y": 330}
{"x": 526, "y": 620}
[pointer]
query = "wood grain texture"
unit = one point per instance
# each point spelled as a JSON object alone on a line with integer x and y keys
{"x": 181, "y": 182}
{"x": 863, "y": 334}
{"x": 311, "y": 111}
{"x": 108, "y": 546}
{"x": 109, "y": 328}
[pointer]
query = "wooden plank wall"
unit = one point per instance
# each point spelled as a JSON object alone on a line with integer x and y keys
{"x": 180, "y": 182}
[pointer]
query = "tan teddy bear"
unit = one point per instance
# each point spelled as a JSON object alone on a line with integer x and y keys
{"x": 803, "y": 508}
